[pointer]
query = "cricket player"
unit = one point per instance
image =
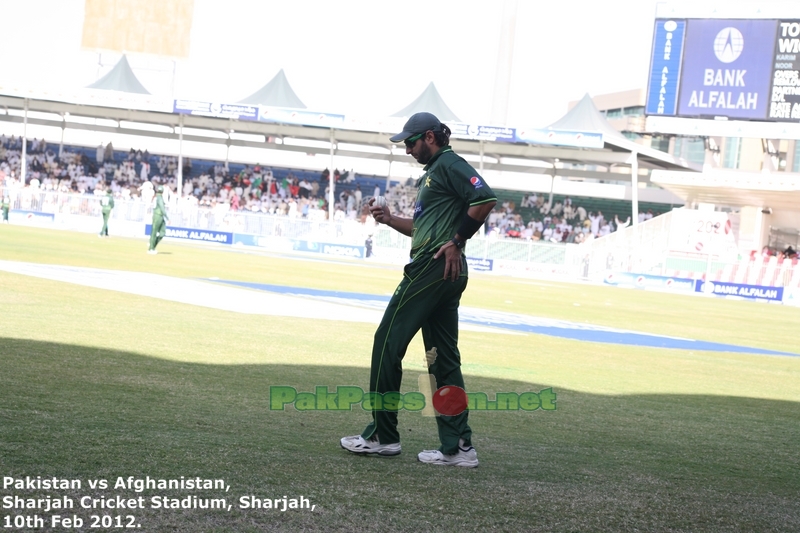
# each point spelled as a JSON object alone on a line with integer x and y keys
{"x": 452, "y": 203}
{"x": 107, "y": 204}
{"x": 6, "y": 207}
{"x": 160, "y": 220}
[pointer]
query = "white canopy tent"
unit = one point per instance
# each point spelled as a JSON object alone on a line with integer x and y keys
{"x": 277, "y": 92}
{"x": 120, "y": 78}
{"x": 431, "y": 101}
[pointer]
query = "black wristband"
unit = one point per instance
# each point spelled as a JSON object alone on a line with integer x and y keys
{"x": 468, "y": 227}
{"x": 459, "y": 244}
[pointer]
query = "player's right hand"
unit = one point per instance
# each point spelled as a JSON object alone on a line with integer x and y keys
{"x": 381, "y": 214}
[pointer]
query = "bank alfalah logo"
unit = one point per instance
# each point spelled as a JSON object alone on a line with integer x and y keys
{"x": 728, "y": 44}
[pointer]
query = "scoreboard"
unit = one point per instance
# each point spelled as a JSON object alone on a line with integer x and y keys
{"x": 725, "y": 68}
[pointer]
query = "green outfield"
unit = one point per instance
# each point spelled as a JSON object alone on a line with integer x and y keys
{"x": 98, "y": 384}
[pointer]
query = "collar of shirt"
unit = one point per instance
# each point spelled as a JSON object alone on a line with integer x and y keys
{"x": 442, "y": 150}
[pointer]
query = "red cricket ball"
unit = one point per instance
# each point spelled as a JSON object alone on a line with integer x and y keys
{"x": 450, "y": 400}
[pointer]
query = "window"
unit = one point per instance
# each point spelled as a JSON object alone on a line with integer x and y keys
{"x": 732, "y": 153}
{"x": 660, "y": 143}
{"x": 692, "y": 149}
{"x": 796, "y": 158}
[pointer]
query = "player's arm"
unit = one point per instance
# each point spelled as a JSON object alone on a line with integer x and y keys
{"x": 480, "y": 213}
{"x": 163, "y": 207}
{"x": 474, "y": 219}
{"x": 467, "y": 184}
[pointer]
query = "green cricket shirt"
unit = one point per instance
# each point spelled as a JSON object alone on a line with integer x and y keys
{"x": 447, "y": 189}
{"x": 107, "y": 202}
{"x": 159, "y": 210}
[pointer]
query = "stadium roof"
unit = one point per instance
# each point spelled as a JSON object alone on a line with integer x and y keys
{"x": 120, "y": 78}
{"x": 610, "y": 163}
{"x": 277, "y": 93}
{"x": 431, "y": 101}
{"x": 585, "y": 117}
{"x": 734, "y": 188}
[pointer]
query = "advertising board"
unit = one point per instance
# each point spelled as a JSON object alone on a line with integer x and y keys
{"x": 738, "y": 69}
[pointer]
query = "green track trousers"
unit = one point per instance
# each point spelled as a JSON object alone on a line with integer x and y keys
{"x": 422, "y": 300}
{"x": 157, "y": 232}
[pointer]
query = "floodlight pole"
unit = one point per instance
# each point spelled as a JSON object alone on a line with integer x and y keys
{"x": 174, "y": 70}
{"x": 24, "y": 167}
{"x": 63, "y": 127}
{"x": 634, "y": 188}
{"x": 180, "y": 156}
{"x": 389, "y": 173}
{"x": 505, "y": 64}
{"x": 331, "y": 181}
{"x": 227, "y": 149}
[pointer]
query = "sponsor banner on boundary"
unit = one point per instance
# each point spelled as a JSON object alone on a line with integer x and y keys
{"x": 341, "y": 250}
{"x": 245, "y": 239}
{"x": 647, "y": 281}
{"x": 274, "y": 244}
{"x": 510, "y": 267}
{"x": 20, "y": 215}
{"x": 479, "y": 265}
{"x": 791, "y": 296}
{"x": 386, "y": 254}
{"x": 282, "y": 244}
{"x": 192, "y": 234}
{"x": 752, "y": 292}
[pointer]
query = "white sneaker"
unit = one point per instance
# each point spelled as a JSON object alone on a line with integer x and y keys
{"x": 152, "y": 252}
{"x": 466, "y": 456}
{"x": 357, "y": 444}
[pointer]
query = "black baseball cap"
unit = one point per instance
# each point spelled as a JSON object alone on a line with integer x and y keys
{"x": 418, "y": 123}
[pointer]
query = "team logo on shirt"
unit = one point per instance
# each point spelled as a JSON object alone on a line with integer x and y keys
{"x": 476, "y": 182}
{"x": 418, "y": 210}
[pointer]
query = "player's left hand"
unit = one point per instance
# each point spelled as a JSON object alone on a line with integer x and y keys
{"x": 452, "y": 260}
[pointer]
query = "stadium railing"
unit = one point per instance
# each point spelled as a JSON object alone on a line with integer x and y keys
{"x": 185, "y": 215}
{"x": 641, "y": 249}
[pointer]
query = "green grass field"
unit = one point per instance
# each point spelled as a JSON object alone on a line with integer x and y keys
{"x": 99, "y": 384}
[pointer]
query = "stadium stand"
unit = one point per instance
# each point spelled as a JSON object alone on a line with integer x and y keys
{"x": 268, "y": 189}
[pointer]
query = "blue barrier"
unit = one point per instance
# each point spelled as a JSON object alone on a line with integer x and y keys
{"x": 752, "y": 292}
{"x": 479, "y": 265}
{"x": 647, "y": 281}
{"x": 221, "y": 237}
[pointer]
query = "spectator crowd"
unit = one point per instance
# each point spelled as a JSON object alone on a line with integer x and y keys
{"x": 557, "y": 222}
{"x": 254, "y": 188}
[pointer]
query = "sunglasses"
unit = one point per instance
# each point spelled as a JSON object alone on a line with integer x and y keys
{"x": 411, "y": 141}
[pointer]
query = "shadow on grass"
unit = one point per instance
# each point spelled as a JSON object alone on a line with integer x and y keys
{"x": 614, "y": 463}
